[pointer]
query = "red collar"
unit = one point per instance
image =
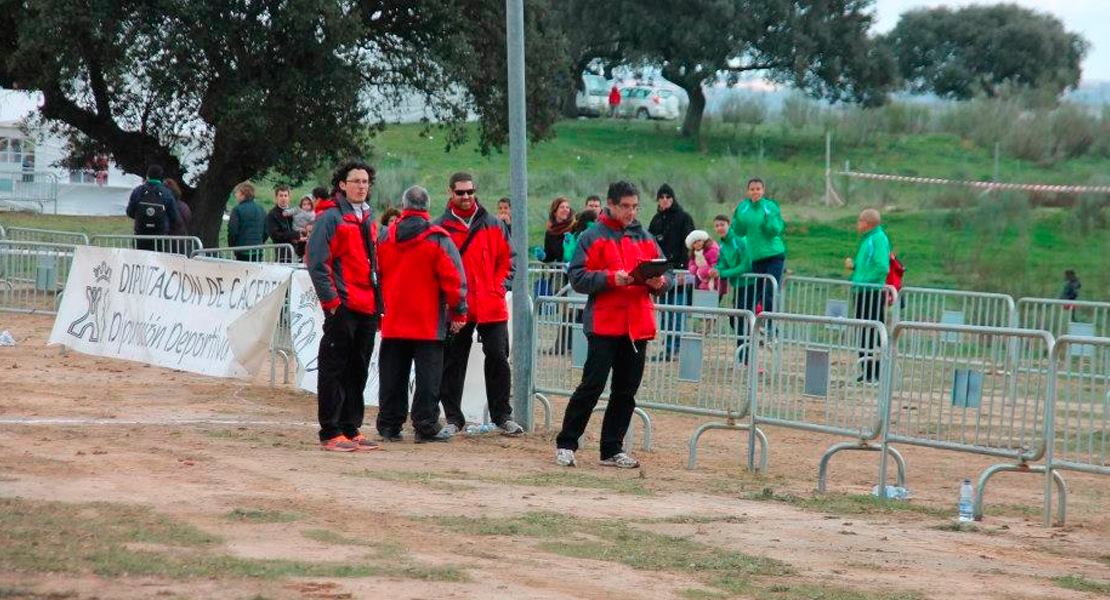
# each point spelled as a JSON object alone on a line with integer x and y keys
{"x": 607, "y": 220}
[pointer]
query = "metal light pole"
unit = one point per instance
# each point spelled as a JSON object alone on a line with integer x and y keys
{"x": 518, "y": 191}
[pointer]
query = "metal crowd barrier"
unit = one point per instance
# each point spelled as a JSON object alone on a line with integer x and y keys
{"x": 283, "y": 254}
{"x": 840, "y": 298}
{"x": 49, "y": 236}
{"x": 954, "y": 307}
{"x": 705, "y": 376}
{"x": 3, "y": 234}
{"x": 33, "y": 275}
{"x": 1080, "y": 417}
{"x": 29, "y": 187}
{"x": 548, "y": 279}
{"x": 822, "y": 374}
{"x": 173, "y": 244}
{"x": 988, "y": 394}
{"x": 1065, "y": 317}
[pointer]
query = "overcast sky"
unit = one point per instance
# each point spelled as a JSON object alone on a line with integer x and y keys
{"x": 1089, "y": 18}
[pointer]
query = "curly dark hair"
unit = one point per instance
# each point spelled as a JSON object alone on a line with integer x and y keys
{"x": 346, "y": 167}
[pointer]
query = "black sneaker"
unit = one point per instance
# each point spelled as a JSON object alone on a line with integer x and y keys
{"x": 391, "y": 436}
{"x": 442, "y": 436}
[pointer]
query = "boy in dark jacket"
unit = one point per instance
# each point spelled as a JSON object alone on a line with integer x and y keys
{"x": 153, "y": 207}
{"x": 279, "y": 221}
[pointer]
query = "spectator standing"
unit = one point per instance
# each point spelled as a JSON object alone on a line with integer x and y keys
{"x": 505, "y": 213}
{"x": 180, "y": 225}
{"x": 869, "y": 271}
{"x": 390, "y": 215}
{"x": 586, "y": 220}
{"x": 735, "y": 262}
{"x": 670, "y": 226}
{"x": 619, "y": 321}
{"x": 593, "y": 202}
{"x": 342, "y": 261}
{"x": 424, "y": 289}
{"x": 279, "y": 221}
{"x": 759, "y": 221}
{"x": 487, "y": 258}
{"x": 1071, "y": 286}
{"x": 560, "y": 222}
{"x": 152, "y": 207}
{"x": 247, "y": 226}
{"x": 614, "y": 100}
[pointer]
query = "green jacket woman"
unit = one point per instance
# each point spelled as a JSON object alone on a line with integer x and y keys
{"x": 759, "y": 221}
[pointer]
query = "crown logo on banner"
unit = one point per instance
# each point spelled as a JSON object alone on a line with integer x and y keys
{"x": 102, "y": 272}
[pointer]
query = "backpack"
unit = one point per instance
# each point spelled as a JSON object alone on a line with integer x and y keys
{"x": 894, "y": 275}
{"x": 150, "y": 218}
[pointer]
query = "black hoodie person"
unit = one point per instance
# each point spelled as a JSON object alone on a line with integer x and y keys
{"x": 670, "y": 226}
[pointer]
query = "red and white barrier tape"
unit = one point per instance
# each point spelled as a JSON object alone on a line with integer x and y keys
{"x": 985, "y": 185}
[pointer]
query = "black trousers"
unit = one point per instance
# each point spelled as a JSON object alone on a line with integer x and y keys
{"x": 871, "y": 306}
{"x": 394, "y": 363}
{"x": 744, "y": 298}
{"x": 625, "y": 359}
{"x": 343, "y": 363}
{"x": 773, "y": 266}
{"x": 456, "y": 352}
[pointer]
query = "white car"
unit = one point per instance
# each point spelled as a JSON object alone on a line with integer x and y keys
{"x": 643, "y": 102}
{"x": 593, "y": 99}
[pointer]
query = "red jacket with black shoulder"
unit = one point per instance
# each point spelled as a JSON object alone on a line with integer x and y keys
{"x": 487, "y": 260}
{"x": 423, "y": 282}
{"x": 614, "y": 310}
{"x": 340, "y": 256}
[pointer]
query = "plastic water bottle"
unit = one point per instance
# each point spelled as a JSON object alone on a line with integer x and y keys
{"x": 471, "y": 429}
{"x": 967, "y": 502}
{"x": 485, "y": 428}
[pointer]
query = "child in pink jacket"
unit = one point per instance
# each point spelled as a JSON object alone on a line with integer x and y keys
{"x": 703, "y": 258}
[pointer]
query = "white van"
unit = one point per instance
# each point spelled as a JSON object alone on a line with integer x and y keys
{"x": 593, "y": 99}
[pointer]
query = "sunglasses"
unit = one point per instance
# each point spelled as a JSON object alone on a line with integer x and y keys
{"x": 465, "y": 192}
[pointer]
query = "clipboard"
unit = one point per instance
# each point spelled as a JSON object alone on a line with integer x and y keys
{"x": 649, "y": 269}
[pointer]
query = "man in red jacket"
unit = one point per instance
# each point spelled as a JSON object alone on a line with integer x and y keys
{"x": 483, "y": 243}
{"x": 619, "y": 321}
{"x": 424, "y": 289}
{"x": 341, "y": 261}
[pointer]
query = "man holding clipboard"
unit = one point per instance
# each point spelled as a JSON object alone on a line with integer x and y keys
{"x": 619, "y": 265}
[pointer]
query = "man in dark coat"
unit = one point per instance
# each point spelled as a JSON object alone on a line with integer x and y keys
{"x": 279, "y": 221}
{"x": 670, "y": 226}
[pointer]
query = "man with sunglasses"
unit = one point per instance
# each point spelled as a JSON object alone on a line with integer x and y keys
{"x": 342, "y": 262}
{"x": 619, "y": 321}
{"x": 487, "y": 256}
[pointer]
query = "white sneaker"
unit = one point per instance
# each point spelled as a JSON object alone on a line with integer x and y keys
{"x": 565, "y": 458}
{"x": 452, "y": 429}
{"x": 621, "y": 460}
{"x": 510, "y": 428}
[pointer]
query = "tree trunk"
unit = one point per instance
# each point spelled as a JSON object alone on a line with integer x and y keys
{"x": 209, "y": 201}
{"x": 691, "y": 126}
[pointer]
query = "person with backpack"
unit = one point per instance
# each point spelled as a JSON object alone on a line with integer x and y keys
{"x": 247, "y": 226}
{"x": 869, "y": 272}
{"x": 152, "y": 207}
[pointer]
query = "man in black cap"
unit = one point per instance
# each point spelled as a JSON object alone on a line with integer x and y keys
{"x": 670, "y": 226}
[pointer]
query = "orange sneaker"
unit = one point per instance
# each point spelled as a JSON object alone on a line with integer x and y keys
{"x": 339, "y": 443}
{"x": 364, "y": 443}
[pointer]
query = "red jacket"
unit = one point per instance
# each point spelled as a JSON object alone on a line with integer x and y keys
{"x": 487, "y": 260}
{"x": 602, "y": 251}
{"x": 422, "y": 279}
{"x": 340, "y": 256}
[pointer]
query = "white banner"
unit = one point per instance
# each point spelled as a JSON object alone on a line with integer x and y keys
{"x": 308, "y": 327}
{"x": 208, "y": 317}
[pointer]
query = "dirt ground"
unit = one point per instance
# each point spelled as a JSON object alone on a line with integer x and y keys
{"x": 235, "y": 463}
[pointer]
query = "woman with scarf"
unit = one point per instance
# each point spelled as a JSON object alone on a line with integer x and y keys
{"x": 560, "y": 223}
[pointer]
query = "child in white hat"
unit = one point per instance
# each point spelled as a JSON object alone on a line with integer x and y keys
{"x": 704, "y": 254}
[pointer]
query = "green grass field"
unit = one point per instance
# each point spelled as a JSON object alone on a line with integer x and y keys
{"x": 947, "y": 237}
